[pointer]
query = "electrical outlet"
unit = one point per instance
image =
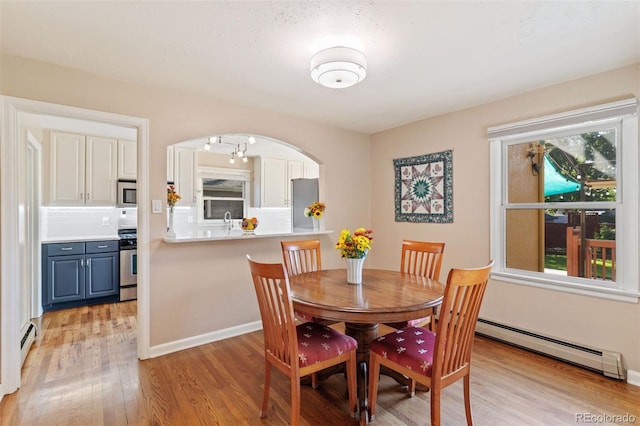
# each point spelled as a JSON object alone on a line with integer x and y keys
{"x": 189, "y": 219}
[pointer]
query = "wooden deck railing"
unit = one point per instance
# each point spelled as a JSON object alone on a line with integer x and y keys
{"x": 600, "y": 254}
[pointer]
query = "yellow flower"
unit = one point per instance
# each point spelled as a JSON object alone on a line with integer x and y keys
{"x": 172, "y": 197}
{"x": 316, "y": 209}
{"x": 354, "y": 245}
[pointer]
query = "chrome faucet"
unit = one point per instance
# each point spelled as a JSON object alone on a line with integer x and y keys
{"x": 227, "y": 219}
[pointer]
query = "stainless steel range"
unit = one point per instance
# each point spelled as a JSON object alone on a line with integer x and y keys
{"x": 128, "y": 264}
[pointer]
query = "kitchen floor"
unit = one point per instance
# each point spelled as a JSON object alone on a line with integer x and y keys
{"x": 83, "y": 363}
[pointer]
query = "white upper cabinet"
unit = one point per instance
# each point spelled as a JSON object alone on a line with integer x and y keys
{"x": 83, "y": 170}
{"x": 127, "y": 160}
{"x": 272, "y": 180}
{"x": 101, "y": 172}
{"x": 295, "y": 170}
{"x": 184, "y": 173}
{"x": 66, "y": 169}
{"x": 170, "y": 164}
{"x": 311, "y": 171}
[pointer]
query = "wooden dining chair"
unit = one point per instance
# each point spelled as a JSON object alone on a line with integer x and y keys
{"x": 301, "y": 257}
{"x": 296, "y": 350}
{"x": 423, "y": 259}
{"x": 435, "y": 359}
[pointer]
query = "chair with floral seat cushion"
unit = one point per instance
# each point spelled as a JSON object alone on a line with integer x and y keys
{"x": 423, "y": 259}
{"x": 296, "y": 350}
{"x": 435, "y": 359}
{"x": 301, "y": 257}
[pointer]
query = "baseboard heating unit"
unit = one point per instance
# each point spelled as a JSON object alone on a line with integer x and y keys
{"x": 606, "y": 362}
{"x": 29, "y": 334}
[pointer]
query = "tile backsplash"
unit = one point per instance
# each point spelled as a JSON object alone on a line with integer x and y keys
{"x": 271, "y": 220}
{"x": 84, "y": 222}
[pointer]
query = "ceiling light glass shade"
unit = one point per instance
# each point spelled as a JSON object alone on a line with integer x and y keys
{"x": 338, "y": 67}
{"x": 252, "y": 140}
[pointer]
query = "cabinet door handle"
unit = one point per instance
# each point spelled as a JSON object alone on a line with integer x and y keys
{"x": 82, "y": 263}
{"x": 81, "y": 197}
{"x": 66, "y": 248}
{"x": 88, "y": 196}
{"x": 88, "y": 263}
{"x": 103, "y": 246}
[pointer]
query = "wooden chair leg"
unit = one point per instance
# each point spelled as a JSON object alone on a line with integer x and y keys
{"x": 314, "y": 380}
{"x": 352, "y": 384}
{"x": 267, "y": 387}
{"x": 374, "y": 376}
{"x": 435, "y": 405}
{"x": 467, "y": 399}
{"x": 295, "y": 401}
{"x": 411, "y": 388}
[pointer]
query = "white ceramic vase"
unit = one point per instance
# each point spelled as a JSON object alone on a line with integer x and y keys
{"x": 171, "y": 233}
{"x": 354, "y": 270}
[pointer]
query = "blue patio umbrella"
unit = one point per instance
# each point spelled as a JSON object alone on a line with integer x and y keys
{"x": 556, "y": 183}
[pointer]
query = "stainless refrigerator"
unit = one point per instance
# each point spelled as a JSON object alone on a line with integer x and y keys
{"x": 303, "y": 193}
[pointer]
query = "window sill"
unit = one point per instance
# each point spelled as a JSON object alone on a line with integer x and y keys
{"x": 567, "y": 287}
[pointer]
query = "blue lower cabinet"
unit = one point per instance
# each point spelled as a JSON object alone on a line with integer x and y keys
{"x": 102, "y": 275}
{"x": 78, "y": 274}
{"x": 66, "y": 278}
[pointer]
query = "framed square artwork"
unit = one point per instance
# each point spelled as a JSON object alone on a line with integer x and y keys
{"x": 424, "y": 188}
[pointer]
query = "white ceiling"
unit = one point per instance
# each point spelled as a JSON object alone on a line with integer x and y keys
{"x": 424, "y": 58}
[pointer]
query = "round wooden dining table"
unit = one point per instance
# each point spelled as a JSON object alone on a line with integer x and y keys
{"x": 383, "y": 296}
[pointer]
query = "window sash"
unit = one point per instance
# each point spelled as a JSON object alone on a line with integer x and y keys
{"x": 622, "y": 114}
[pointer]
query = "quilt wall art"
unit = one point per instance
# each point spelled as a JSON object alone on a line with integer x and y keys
{"x": 424, "y": 188}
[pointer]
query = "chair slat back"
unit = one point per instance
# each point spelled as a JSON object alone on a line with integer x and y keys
{"x": 302, "y": 256}
{"x": 458, "y": 317}
{"x": 422, "y": 258}
{"x": 276, "y": 311}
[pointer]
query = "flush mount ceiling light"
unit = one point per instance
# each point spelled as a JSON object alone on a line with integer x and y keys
{"x": 338, "y": 67}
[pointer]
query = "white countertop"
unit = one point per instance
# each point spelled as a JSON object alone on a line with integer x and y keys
{"x": 215, "y": 235}
{"x": 79, "y": 239}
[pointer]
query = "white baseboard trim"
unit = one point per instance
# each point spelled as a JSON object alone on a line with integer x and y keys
{"x": 633, "y": 377}
{"x": 191, "y": 342}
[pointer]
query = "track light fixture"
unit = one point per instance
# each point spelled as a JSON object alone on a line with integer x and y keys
{"x": 238, "y": 151}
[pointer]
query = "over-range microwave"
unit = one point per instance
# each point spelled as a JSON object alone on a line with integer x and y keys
{"x": 127, "y": 193}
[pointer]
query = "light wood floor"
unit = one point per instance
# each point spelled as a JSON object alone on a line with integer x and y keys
{"x": 83, "y": 371}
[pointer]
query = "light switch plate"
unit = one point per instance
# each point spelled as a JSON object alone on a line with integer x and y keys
{"x": 156, "y": 206}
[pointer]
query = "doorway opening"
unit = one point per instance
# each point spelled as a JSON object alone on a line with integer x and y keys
{"x": 16, "y": 113}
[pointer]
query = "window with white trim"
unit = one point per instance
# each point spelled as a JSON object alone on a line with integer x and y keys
{"x": 222, "y": 191}
{"x": 564, "y": 201}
